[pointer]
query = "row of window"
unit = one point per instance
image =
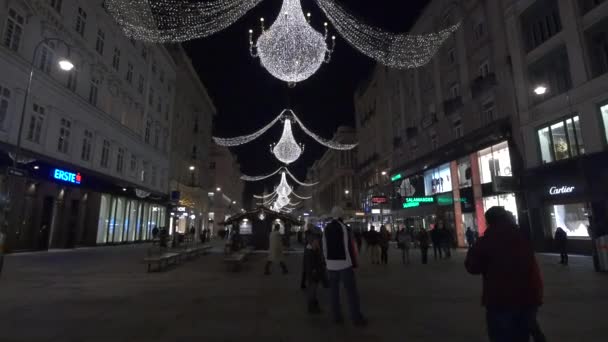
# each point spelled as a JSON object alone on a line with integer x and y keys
{"x": 34, "y": 132}
{"x": 45, "y": 61}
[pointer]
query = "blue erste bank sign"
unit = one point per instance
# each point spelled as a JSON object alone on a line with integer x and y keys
{"x": 66, "y": 176}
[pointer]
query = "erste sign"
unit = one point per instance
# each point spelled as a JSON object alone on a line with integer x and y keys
{"x": 66, "y": 176}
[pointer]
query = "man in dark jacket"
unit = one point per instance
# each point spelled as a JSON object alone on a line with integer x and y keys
{"x": 436, "y": 239}
{"x": 512, "y": 283}
{"x": 561, "y": 242}
{"x": 340, "y": 259}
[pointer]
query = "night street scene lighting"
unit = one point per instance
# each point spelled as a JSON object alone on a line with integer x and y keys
{"x": 222, "y": 169}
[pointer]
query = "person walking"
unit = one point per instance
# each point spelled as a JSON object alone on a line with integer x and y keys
{"x": 447, "y": 239}
{"x": 436, "y": 238}
{"x": 512, "y": 283}
{"x": 313, "y": 268}
{"x": 275, "y": 250}
{"x": 340, "y": 255}
{"x": 404, "y": 241}
{"x": 358, "y": 238}
{"x": 373, "y": 243}
{"x": 385, "y": 238}
{"x": 561, "y": 242}
{"x": 423, "y": 241}
{"x": 470, "y": 236}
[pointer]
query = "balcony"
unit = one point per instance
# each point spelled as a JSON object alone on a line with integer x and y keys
{"x": 481, "y": 84}
{"x": 452, "y": 105}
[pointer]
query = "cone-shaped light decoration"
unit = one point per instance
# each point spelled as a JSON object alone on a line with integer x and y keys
{"x": 287, "y": 149}
{"x": 291, "y": 50}
{"x": 283, "y": 189}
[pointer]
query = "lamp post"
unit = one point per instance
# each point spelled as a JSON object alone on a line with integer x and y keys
{"x": 64, "y": 64}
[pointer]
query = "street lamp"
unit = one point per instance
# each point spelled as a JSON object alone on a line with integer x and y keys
{"x": 383, "y": 173}
{"x": 541, "y": 89}
{"x": 346, "y": 192}
{"x": 64, "y": 64}
{"x": 192, "y": 168}
{"x": 218, "y": 189}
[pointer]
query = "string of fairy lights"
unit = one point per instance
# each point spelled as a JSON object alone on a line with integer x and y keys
{"x": 286, "y": 150}
{"x": 291, "y": 49}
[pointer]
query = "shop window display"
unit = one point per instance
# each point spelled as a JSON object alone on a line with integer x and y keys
{"x": 504, "y": 200}
{"x": 572, "y": 218}
{"x": 438, "y": 180}
{"x": 122, "y": 220}
{"x": 494, "y": 161}
{"x": 465, "y": 175}
{"x": 561, "y": 140}
{"x": 604, "y": 111}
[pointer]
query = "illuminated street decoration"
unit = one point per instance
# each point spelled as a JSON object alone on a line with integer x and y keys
{"x": 164, "y": 21}
{"x": 282, "y": 169}
{"x": 291, "y": 50}
{"x": 400, "y": 51}
{"x": 287, "y": 150}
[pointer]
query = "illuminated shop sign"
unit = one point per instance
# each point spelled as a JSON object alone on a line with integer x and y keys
{"x": 412, "y": 202}
{"x": 379, "y": 199}
{"x": 181, "y": 209}
{"x": 66, "y": 176}
{"x": 396, "y": 177}
{"x": 563, "y": 190}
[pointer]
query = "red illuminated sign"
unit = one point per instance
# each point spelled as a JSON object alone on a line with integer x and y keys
{"x": 379, "y": 199}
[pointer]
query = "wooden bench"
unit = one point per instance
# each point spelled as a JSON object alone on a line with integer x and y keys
{"x": 163, "y": 259}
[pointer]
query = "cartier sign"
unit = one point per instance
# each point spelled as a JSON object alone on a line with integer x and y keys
{"x": 563, "y": 190}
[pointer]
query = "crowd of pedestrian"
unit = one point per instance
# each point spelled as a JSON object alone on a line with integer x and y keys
{"x": 512, "y": 283}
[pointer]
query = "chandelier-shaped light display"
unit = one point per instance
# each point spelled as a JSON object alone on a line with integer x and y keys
{"x": 283, "y": 189}
{"x": 282, "y": 169}
{"x": 291, "y": 50}
{"x": 287, "y": 150}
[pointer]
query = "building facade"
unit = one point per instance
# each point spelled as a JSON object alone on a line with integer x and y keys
{"x": 559, "y": 53}
{"x": 375, "y": 108}
{"x": 226, "y": 194}
{"x": 92, "y": 155}
{"x": 190, "y": 181}
{"x": 510, "y": 112}
{"x": 335, "y": 174}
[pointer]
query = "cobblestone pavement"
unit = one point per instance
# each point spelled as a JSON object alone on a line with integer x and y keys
{"x": 104, "y": 294}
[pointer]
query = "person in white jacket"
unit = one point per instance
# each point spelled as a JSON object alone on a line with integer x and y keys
{"x": 275, "y": 250}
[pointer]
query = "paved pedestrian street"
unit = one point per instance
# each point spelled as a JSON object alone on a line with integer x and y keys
{"x": 105, "y": 294}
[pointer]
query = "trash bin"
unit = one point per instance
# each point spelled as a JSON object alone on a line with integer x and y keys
{"x": 601, "y": 247}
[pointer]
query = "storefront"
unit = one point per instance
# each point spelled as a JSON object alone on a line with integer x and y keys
{"x": 61, "y": 206}
{"x": 123, "y": 220}
{"x": 570, "y": 194}
{"x": 458, "y": 189}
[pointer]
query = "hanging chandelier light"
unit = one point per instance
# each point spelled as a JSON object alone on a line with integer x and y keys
{"x": 281, "y": 169}
{"x": 287, "y": 150}
{"x": 291, "y": 50}
{"x": 283, "y": 189}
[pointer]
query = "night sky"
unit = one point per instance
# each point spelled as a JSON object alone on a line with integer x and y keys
{"x": 247, "y": 97}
